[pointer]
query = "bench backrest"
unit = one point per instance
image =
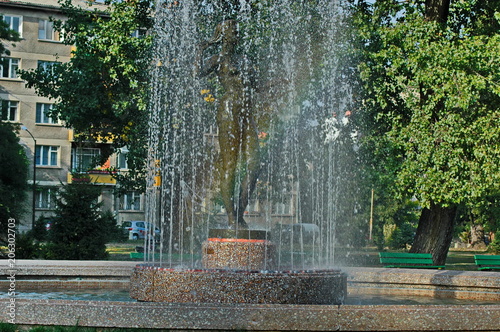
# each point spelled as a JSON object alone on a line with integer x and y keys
{"x": 405, "y": 258}
{"x": 487, "y": 259}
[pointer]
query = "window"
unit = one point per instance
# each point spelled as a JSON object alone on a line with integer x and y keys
{"x": 41, "y": 114}
{"x": 121, "y": 160}
{"x": 139, "y": 33}
{"x": 8, "y": 67}
{"x": 9, "y": 110}
{"x": 47, "y": 65}
{"x": 252, "y": 207}
{"x": 135, "y": 34}
{"x": 44, "y": 198}
{"x": 47, "y": 155}
{"x": 282, "y": 208}
{"x": 131, "y": 201}
{"x": 14, "y": 22}
{"x": 85, "y": 159}
{"x": 46, "y": 31}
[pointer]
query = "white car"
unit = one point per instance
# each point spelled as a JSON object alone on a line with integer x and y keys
{"x": 138, "y": 229}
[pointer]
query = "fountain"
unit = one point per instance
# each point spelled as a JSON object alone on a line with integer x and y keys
{"x": 247, "y": 116}
{"x": 257, "y": 267}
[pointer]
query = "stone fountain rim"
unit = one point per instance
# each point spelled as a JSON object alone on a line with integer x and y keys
{"x": 291, "y": 272}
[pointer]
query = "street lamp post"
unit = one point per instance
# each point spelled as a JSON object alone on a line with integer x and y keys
{"x": 34, "y": 178}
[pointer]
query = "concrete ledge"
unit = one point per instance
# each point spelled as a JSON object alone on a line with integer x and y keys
{"x": 104, "y": 274}
{"x": 30, "y": 269}
{"x": 473, "y": 285}
{"x": 477, "y": 285}
{"x": 257, "y": 317}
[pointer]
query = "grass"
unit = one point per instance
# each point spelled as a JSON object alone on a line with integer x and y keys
{"x": 8, "y": 327}
{"x": 458, "y": 259}
{"x": 462, "y": 259}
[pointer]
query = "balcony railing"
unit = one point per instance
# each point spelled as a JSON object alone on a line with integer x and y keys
{"x": 92, "y": 176}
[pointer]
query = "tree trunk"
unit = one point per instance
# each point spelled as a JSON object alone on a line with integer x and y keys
{"x": 437, "y": 10}
{"x": 435, "y": 227}
{"x": 477, "y": 236}
{"x": 435, "y": 232}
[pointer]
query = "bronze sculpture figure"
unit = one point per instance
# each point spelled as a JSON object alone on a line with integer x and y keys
{"x": 239, "y": 156}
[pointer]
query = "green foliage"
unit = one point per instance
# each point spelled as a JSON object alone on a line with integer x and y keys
{"x": 102, "y": 91}
{"x": 431, "y": 99}
{"x": 40, "y": 232}
{"x": 13, "y": 177}
{"x": 27, "y": 247}
{"x": 79, "y": 231}
{"x": 494, "y": 246}
{"x": 8, "y": 327}
{"x": 400, "y": 214}
{"x": 114, "y": 232}
{"x": 402, "y": 236}
{"x": 7, "y": 34}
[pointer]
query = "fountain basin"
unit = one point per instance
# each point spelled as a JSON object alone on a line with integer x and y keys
{"x": 466, "y": 285}
{"x": 156, "y": 284}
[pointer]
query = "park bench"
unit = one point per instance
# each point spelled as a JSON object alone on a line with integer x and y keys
{"x": 140, "y": 255}
{"x": 408, "y": 260}
{"x": 487, "y": 262}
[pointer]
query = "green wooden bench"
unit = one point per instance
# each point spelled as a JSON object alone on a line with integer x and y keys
{"x": 408, "y": 260}
{"x": 487, "y": 262}
{"x": 140, "y": 255}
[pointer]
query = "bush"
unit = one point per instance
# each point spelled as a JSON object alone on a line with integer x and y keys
{"x": 40, "y": 228}
{"x": 114, "y": 232}
{"x": 27, "y": 247}
{"x": 79, "y": 231}
{"x": 402, "y": 236}
{"x": 494, "y": 247}
{"x": 13, "y": 178}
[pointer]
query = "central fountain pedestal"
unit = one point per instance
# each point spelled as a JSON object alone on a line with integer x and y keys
{"x": 237, "y": 270}
{"x": 238, "y": 249}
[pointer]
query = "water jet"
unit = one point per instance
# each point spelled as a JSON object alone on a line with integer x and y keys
{"x": 241, "y": 121}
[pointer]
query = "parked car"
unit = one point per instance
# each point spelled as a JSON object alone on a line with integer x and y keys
{"x": 309, "y": 233}
{"x": 138, "y": 229}
{"x": 48, "y": 225}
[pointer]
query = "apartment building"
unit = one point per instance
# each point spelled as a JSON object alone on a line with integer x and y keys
{"x": 49, "y": 144}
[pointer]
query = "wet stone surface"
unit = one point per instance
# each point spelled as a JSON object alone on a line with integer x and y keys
{"x": 157, "y": 284}
{"x": 238, "y": 271}
{"x": 238, "y": 254}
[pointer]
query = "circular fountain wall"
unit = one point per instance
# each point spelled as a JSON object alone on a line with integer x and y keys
{"x": 156, "y": 284}
{"x": 235, "y": 272}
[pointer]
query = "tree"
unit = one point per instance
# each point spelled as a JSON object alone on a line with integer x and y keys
{"x": 430, "y": 105}
{"x": 102, "y": 91}
{"x": 6, "y": 34}
{"x": 79, "y": 230}
{"x": 14, "y": 170}
{"x": 13, "y": 177}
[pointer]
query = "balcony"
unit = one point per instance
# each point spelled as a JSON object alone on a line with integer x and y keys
{"x": 100, "y": 140}
{"x": 93, "y": 176}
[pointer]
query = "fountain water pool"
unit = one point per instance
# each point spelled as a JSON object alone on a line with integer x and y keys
{"x": 123, "y": 295}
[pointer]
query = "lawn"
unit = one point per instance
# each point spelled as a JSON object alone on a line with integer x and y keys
{"x": 349, "y": 257}
{"x": 121, "y": 251}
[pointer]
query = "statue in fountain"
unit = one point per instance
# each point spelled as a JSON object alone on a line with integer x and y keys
{"x": 239, "y": 159}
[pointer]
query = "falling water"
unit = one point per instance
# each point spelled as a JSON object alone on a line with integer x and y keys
{"x": 293, "y": 73}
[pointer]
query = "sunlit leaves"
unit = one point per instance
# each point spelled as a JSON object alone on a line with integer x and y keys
{"x": 432, "y": 92}
{"x": 104, "y": 85}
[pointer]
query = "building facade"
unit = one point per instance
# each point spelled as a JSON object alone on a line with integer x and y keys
{"x": 54, "y": 155}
